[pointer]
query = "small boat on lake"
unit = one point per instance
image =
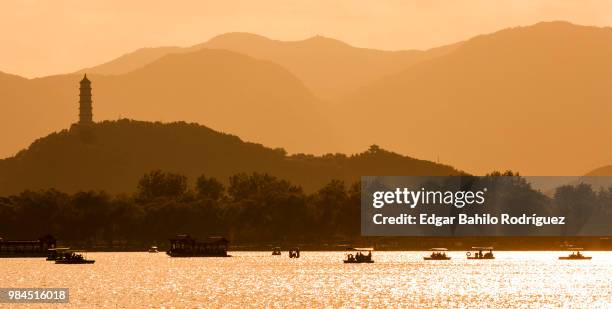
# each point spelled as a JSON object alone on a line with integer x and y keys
{"x": 437, "y": 254}
{"x": 357, "y": 255}
{"x": 276, "y": 251}
{"x": 478, "y": 255}
{"x": 575, "y": 255}
{"x": 153, "y": 249}
{"x": 294, "y": 253}
{"x": 73, "y": 257}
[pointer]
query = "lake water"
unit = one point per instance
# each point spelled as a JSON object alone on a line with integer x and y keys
{"x": 320, "y": 279}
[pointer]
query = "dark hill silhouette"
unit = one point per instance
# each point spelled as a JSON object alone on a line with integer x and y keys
{"x": 257, "y": 100}
{"x": 534, "y": 99}
{"x": 328, "y": 67}
{"x": 113, "y": 155}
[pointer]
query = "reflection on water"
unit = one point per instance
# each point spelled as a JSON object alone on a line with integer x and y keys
{"x": 318, "y": 279}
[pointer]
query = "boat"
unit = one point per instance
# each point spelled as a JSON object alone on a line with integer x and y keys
{"x": 153, "y": 249}
{"x": 73, "y": 257}
{"x": 53, "y": 253}
{"x": 276, "y": 251}
{"x": 478, "y": 255}
{"x": 357, "y": 255}
{"x": 437, "y": 254}
{"x": 575, "y": 255}
{"x": 294, "y": 253}
{"x": 26, "y": 248}
{"x": 183, "y": 245}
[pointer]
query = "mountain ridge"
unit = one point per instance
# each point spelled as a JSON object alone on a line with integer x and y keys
{"x": 229, "y": 91}
{"x": 325, "y": 65}
{"x": 511, "y": 99}
{"x": 113, "y": 155}
{"x": 131, "y": 61}
{"x": 509, "y": 95}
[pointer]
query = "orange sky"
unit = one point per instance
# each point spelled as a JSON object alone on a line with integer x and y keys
{"x": 41, "y": 37}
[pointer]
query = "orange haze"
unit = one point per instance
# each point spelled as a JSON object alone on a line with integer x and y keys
{"x": 535, "y": 97}
{"x": 50, "y": 37}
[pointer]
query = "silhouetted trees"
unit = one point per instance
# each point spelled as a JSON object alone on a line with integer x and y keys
{"x": 578, "y": 202}
{"x": 209, "y": 188}
{"x": 158, "y": 184}
{"x": 254, "y": 208}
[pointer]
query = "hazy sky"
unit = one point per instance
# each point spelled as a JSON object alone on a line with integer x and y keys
{"x": 42, "y": 37}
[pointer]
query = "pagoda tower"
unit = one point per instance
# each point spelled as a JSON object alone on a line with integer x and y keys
{"x": 85, "y": 107}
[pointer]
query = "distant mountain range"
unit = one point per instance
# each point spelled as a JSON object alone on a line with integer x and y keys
{"x": 532, "y": 99}
{"x": 113, "y": 155}
{"x": 328, "y": 67}
{"x": 255, "y": 99}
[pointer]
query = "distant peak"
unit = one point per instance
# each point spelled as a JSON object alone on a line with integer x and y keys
{"x": 555, "y": 25}
{"x": 232, "y": 36}
{"x": 324, "y": 40}
{"x": 558, "y": 30}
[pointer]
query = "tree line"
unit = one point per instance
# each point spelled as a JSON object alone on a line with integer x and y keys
{"x": 252, "y": 208}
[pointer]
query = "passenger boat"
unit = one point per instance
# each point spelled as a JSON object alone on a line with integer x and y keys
{"x": 437, "y": 254}
{"x": 153, "y": 249}
{"x": 478, "y": 255}
{"x": 276, "y": 251}
{"x": 357, "y": 255}
{"x": 72, "y": 257}
{"x": 185, "y": 246}
{"x": 575, "y": 255}
{"x": 26, "y": 248}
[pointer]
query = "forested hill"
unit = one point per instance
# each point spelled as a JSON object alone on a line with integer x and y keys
{"x": 113, "y": 155}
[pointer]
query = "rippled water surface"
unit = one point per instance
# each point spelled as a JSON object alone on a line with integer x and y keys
{"x": 320, "y": 279}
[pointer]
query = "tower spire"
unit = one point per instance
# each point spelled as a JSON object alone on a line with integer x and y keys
{"x": 85, "y": 106}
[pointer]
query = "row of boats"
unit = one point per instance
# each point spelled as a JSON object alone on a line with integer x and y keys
{"x": 353, "y": 255}
{"x": 479, "y": 253}
{"x": 364, "y": 255}
{"x": 294, "y": 253}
